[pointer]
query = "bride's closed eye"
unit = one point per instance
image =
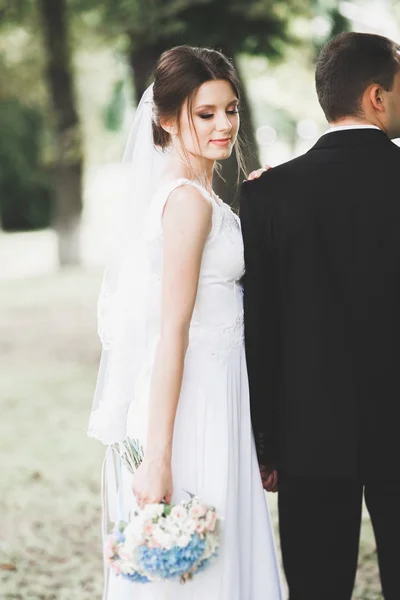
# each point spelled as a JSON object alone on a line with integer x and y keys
{"x": 234, "y": 111}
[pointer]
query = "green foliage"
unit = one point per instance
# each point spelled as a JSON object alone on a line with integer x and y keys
{"x": 396, "y": 10}
{"x": 256, "y": 27}
{"x": 25, "y": 196}
{"x": 114, "y": 112}
{"x": 15, "y": 12}
{"x": 21, "y": 61}
{"x": 337, "y": 24}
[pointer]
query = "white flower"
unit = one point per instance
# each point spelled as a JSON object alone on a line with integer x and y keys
{"x": 127, "y": 568}
{"x": 183, "y": 541}
{"x": 190, "y": 526}
{"x": 212, "y": 544}
{"x": 152, "y": 511}
{"x": 172, "y": 528}
{"x": 163, "y": 539}
{"x": 134, "y": 532}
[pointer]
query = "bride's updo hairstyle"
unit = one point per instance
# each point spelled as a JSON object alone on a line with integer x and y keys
{"x": 179, "y": 73}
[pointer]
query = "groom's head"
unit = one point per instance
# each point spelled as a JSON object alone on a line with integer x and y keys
{"x": 358, "y": 78}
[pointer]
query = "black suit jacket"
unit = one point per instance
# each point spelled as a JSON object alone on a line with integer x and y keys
{"x": 322, "y": 307}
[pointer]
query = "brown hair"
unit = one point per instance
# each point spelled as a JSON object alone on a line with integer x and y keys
{"x": 179, "y": 73}
{"x": 347, "y": 65}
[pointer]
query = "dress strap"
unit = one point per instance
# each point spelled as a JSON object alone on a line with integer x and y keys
{"x": 152, "y": 226}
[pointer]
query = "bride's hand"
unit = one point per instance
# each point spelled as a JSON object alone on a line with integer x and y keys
{"x": 152, "y": 482}
{"x": 256, "y": 174}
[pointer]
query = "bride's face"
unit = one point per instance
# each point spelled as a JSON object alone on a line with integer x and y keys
{"x": 211, "y": 129}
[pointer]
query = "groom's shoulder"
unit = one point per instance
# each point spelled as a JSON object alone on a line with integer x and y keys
{"x": 395, "y": 150}
{"x": 276, "y": 177}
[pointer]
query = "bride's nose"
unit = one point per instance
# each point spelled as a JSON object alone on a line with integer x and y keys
{"x": 223, "y": 123}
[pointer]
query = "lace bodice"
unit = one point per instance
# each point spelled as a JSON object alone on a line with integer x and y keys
{"x": 217, "y": 320}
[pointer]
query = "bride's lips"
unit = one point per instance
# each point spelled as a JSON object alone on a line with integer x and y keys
{"x": 221, "y": 142}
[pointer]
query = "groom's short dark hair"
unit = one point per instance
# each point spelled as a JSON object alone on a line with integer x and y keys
{"x": 347, "y": 65}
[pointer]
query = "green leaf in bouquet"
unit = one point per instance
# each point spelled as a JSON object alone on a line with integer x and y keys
{"x": 189, "y": 494}
{"x": 167, "y": 510}
{"x": 121, "y": 526}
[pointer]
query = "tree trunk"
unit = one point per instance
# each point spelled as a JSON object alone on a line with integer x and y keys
{"x": 69, "y": 161}
{"x": 228, "y": 190}
{"x": 142, "y": 60}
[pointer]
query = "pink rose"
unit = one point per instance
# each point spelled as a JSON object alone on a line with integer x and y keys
{"x": 110, "y": 548}
{"x": 211, "y": 520}
{"x": 178, "y": 512}
{"x": 197, "y": 511}
{"x": 200, "y": 527}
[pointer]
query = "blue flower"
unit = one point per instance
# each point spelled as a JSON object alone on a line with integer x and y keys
{"x": 171, "y": 564}
{"x": 135, "y": 577}
{"x": 119, "y": 532}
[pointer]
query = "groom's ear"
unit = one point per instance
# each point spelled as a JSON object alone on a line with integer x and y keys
{"x": 376, "y": 98}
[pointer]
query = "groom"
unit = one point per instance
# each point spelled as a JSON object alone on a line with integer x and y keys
{"x": 322, "y": 325}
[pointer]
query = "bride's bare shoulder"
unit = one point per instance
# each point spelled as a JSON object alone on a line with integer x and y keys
{"x": 189, "y": 205}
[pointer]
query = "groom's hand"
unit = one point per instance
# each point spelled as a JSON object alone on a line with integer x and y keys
{"x": 269, "y": 478}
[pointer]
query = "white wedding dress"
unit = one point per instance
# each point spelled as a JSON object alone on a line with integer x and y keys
{"x": 213, "y": 449}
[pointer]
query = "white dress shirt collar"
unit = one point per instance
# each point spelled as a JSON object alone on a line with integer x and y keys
{"x": 347, "y": 127}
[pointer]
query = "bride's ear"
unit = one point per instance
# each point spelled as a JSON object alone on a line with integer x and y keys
{"x": 168, "y": 126}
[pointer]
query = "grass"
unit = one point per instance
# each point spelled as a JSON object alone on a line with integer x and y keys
{"x": 49, "y": 481}
{"x": 50, "y": 471}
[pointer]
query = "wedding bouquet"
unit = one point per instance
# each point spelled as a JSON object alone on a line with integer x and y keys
{"x": 162, "y": 541}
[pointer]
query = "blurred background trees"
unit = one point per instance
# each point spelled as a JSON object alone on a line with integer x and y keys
{"x": 41, "y": 178}
{"x": 68, "y": 151}
{"x": 55, "y": 126}
{"x": 25, "y": 190}
{"x": 150, "y": 27}
{"x": 256, "y": 27}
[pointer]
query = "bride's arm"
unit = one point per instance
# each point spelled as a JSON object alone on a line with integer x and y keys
{"x": 186, "y": 225}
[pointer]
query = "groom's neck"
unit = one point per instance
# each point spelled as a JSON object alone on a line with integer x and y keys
{"x": 349, "y": 121}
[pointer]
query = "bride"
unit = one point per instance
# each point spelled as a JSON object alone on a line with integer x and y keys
{"x": 173, "y": 370}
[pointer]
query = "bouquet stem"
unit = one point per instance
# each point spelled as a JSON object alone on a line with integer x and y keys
{"x": 130, "y": 451}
